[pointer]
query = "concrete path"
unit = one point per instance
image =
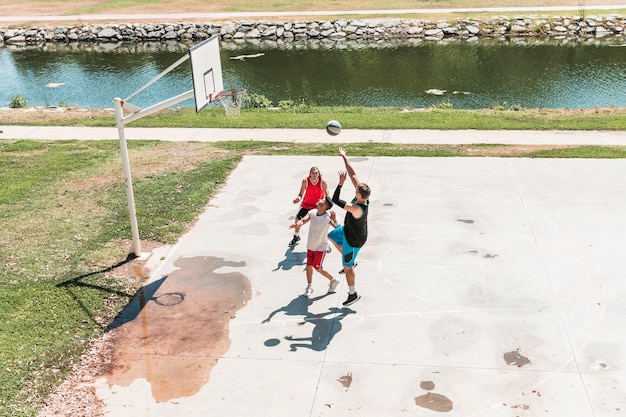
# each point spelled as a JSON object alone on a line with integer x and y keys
{"x": 319, "y": 135}
{"x": 240, "y": 15}
{"x": 490, "y": 287}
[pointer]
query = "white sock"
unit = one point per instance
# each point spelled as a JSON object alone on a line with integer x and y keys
{"x": 351, "y": 289}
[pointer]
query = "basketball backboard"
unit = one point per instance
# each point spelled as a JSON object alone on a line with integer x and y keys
{"x": 206, "y": 71}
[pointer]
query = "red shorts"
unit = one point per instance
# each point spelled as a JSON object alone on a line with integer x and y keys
{"x": 315, "y": 258}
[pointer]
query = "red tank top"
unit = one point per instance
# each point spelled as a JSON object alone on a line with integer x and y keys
{"x": 312, "y": 194}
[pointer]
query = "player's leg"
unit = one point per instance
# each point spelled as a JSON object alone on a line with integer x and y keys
{"x": 335, "y": 237}
{"x": 296, "y": 230}
{"x": 349, "y": 262}
{"x": 310, "y": 262}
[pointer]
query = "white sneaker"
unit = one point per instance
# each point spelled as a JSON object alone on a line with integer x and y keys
{"x": 332, "y": 286}
{"x": 308, "y": 291}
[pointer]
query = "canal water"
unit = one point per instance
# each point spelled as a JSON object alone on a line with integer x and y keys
{"x": 528, "y": 73}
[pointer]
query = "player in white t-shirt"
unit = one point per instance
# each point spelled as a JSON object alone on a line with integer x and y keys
{"x": 317, "y": 244}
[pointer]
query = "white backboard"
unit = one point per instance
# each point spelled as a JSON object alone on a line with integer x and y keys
{"x": 206, "y": 70}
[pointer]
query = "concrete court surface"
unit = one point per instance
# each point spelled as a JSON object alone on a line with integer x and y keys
{"x": 490, "y": 287}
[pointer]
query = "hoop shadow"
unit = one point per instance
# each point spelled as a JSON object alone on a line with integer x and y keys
{"x": 78, "y": 282}
{"x": 136, "y": 303}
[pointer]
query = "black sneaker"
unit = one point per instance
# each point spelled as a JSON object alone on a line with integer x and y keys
{"x": 343, "y": 271}
{"x": 295, "y": 240}
{"x": 352, "y": 298}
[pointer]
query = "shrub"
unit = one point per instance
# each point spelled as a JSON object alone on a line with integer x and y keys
{"x": 256, "y": 101}
{"x": 18, "y": 102}
{"x": 443, "y": 105}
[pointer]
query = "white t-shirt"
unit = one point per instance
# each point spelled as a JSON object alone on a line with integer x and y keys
{"x": 318, "y": 231}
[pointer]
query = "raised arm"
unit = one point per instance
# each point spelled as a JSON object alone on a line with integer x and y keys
{"x": 349, "y": 168}
{"x": 355, "y": 209}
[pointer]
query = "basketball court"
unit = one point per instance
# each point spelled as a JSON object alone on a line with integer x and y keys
{"x": 490, "y": 287}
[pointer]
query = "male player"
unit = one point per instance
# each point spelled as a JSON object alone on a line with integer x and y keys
{"x": 351, "y": 237}
{"x": 317, "y": 243}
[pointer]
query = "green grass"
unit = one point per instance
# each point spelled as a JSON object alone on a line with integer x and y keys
{"x": 64, "y": 220}
{"x": 313, "y": 117}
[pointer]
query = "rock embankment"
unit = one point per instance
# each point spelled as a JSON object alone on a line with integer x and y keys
{"x": 350, "y": 29}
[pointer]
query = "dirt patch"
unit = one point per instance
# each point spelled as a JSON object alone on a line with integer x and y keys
{"x": 173, "y": 157}
{"x": 509, "y": 150}
{"x": 76, "y": 396}
{"x": 52, "y": 114}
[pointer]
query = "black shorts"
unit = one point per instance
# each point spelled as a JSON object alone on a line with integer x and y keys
{"x": 301, "y": 213}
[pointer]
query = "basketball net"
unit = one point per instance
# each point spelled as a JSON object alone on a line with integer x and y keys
{"x": 232, "y": 100}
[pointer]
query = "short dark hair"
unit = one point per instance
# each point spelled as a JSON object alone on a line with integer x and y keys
{"x": 329, "y": 203}
{"x": 364, "y": 190}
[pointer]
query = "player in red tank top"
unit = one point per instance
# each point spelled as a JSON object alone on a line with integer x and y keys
{"x": 312, "y": 189}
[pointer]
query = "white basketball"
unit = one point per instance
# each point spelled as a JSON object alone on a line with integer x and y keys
{"x": 333, "y": 128}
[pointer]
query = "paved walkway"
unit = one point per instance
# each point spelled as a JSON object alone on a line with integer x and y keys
{"x": 240, "y": 15}
{"x": 319, "y": 135}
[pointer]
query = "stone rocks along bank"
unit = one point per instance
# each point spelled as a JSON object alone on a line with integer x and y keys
{"x": 609, "y": 27}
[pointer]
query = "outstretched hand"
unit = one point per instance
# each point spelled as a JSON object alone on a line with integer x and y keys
{"x": 342, "y": 152}
{"x": 342, "y": 177}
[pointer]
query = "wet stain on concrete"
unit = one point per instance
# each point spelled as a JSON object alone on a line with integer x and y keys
{"x": 427, "y": 385}
{"x": 515, "y": 358}
{"x": 346, "y": 380}
{"x": 468, "y": 221}
{"x": 431, "y": 400}
{"x": 176, "y": 332}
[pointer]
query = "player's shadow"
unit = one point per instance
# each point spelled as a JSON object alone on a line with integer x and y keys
{"x": 291, "y": 259}
{"x": 326, "y": 326}
{"x": 299, "y": 306}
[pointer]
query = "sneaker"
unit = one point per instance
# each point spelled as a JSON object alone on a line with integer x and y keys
{"x": 332, "y": 286}
{"x": 308, "y": 291}
{"x": 343, "y": 271}
{"x": 295, "y": 240}
{"x": 352, "y": 298}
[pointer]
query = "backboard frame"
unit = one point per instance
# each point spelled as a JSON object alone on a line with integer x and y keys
{"x": 206, "y": 71}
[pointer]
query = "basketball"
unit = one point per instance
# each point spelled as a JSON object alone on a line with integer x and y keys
{"x": 333, "y": 128}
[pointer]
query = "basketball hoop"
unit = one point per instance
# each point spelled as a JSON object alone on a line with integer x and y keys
{"x": 232, "y": 100}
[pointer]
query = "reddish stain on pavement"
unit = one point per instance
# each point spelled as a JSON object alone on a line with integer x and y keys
{"x": 176, "y": 329}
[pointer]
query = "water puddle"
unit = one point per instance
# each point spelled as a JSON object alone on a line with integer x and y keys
{"x": 176, "y": 328}
{"x": 345, "y": 380}
{"x": 431, "y": 400}
{"x": 515, "y": 358}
